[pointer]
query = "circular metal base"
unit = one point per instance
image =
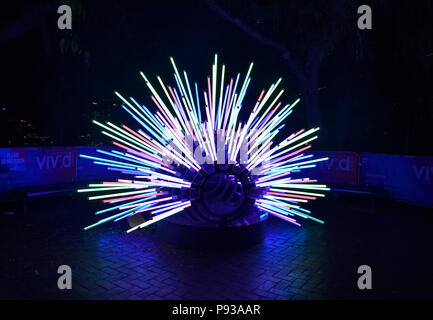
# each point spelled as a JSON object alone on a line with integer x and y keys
{"x": 206, "y": 237}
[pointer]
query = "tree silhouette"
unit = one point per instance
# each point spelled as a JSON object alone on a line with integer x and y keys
{"x": 303, "y": 33}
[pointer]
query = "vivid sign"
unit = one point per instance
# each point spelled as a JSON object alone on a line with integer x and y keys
{"x": 340, "y": 169}
{"x": 406, "y": 178}
{"x": 21, "y": 167}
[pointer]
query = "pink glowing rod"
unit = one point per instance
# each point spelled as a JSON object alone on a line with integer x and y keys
{"x": 160, "y": 159}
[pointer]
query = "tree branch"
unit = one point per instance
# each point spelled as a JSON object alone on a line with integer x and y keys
{"x": 280, "y": 47}
{"x": 27, "y": 21}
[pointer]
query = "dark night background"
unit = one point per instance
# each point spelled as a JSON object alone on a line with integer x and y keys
{"x": 369, "y": 90}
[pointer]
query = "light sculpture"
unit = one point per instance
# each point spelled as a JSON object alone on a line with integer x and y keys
{"x": 195, "y": 146}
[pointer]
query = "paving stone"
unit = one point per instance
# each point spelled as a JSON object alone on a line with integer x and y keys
{"x": 312, "y": 262}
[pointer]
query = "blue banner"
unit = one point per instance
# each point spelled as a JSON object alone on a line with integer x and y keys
{"x": 340, "y": 169}
{"x": 23, "y": 167}
{"x": 407, "y": 178}
{"x": 88, "y": 171}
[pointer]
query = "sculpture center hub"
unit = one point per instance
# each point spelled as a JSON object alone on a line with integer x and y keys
{"x": 223, "y": 193}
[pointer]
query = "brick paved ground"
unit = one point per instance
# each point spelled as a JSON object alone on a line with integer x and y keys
{"x": 313, "y": 262}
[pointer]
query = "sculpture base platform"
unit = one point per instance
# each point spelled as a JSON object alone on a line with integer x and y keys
{"x": 215, "y": 238}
